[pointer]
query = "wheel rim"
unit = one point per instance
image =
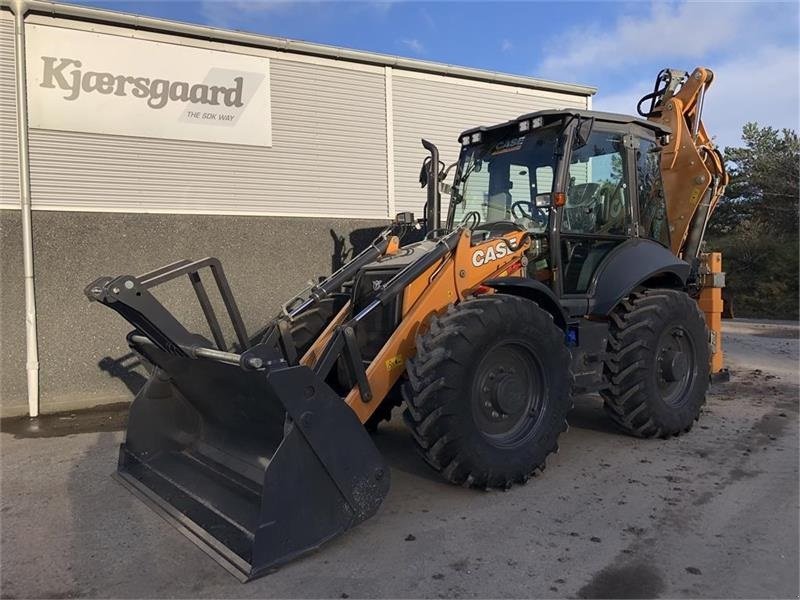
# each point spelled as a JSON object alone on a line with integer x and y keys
{"x": 508, "y": 394}
{"x": 676, "y": 365}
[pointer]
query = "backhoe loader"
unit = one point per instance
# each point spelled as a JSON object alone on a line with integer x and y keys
{"x": 570, "y": 261}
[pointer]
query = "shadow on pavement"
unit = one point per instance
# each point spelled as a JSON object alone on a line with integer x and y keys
{"x": 396, "y": 445}
{"x": 588, "y": 414}
{"x": 118, "y": 546}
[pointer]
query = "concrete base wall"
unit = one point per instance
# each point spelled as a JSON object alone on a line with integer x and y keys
{"x": 84, "y": 360}
{"x": 12, "y": 316}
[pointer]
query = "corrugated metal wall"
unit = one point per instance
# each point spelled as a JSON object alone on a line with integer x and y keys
{"x": 328, "y": 158}
{"x": 9, "y": 174}
{"x": 439, "y": 108}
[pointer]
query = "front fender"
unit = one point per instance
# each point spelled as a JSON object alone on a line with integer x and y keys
{"x": 532, "y": 290}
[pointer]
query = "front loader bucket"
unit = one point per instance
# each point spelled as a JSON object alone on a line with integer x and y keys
{"x": 254, "y": 459}
{"x": 256, "y": 467}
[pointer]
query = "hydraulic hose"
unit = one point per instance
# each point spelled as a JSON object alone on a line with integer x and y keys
{"x": 331, "y": 284}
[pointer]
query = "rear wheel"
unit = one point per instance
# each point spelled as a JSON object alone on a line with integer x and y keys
{"x": 658, "y": 367}
{"x": 488, "y": 391}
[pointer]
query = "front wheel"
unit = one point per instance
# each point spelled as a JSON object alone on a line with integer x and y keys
{"x": 658, "y": 366}
{"x": 488, "y": 391}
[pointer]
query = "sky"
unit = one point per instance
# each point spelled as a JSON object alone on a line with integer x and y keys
{"x": 618, "y": 47}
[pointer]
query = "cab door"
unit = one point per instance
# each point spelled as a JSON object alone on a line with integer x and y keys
{"x": 652, "y": 206}
{"x": 598, "y": 215}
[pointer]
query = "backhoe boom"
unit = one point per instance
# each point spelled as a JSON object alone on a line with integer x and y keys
{"x": 692, "y": 169}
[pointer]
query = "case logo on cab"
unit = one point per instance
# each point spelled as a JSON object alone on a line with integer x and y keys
{"x": 492, "y": 253}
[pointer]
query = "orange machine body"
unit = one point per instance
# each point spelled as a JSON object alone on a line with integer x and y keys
{"x": 458, "y": 275}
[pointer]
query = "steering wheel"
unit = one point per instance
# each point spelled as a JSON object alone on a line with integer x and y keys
{"x": 471, "y": 220}
{"x": 534, "y": 213}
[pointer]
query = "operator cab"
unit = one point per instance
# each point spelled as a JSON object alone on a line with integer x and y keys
{"x": 579, "y": 182}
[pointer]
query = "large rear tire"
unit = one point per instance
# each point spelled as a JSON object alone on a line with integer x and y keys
{"x": 658, "y": 368}
{"x": 489, "y": 391}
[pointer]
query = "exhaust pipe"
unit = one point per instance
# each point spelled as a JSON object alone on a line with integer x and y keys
{"x": 433, "y": 215}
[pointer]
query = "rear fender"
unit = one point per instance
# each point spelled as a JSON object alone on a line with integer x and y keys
{"x": 634, "y": 263}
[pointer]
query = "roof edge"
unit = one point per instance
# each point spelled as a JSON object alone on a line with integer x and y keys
{"x": 608, "y": 117}
{"x": 57, "y": 9}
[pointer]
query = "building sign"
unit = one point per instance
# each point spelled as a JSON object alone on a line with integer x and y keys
{"x": 101, "y": 83}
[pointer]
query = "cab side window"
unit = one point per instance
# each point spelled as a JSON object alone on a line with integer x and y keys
{"x": 652, "y": 205}
{"x": 597, "y": 197}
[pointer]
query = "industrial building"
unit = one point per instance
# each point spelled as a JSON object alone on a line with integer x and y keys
{"x": 130, "y": 142}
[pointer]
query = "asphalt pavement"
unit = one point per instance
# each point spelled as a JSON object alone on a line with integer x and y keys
{"x": 712, "y": 514}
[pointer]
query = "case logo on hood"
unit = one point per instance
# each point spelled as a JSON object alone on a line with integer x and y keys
{"x": 499, "y": 250}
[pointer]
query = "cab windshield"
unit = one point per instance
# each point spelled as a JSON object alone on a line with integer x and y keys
{"x": 508, "y": 177}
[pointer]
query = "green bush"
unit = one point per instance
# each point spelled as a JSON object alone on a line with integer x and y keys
{"x": 761, "y": 272}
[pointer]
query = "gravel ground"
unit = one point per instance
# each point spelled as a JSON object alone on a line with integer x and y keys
{"x": 710, "y": 514}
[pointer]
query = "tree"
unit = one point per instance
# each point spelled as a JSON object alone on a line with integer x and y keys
{"x": 763, "y": 190}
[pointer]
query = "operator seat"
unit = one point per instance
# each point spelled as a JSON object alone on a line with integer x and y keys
{"x": 581, "y": 206}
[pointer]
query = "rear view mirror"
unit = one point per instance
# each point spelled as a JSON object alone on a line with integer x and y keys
{"x": 423, "y": 174}
{"x": 582, "y": 132}
{"x": 542, "y": 200}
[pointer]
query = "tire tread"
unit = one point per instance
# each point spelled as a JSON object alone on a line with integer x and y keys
{"x": 428, "y": 386}
{"x": 633, "y": 325}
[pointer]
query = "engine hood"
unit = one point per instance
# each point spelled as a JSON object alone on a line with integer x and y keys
{"x": 405, "y": 256}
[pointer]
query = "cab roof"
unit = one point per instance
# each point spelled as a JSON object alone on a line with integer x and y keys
{"x": 553, "y": 114}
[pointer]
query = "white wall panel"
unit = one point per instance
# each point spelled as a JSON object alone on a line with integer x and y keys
{"x": 328, "y": 158}
{"x": 9, "y": 174}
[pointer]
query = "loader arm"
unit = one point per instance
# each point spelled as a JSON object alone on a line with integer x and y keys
{"x": 692, "y": 169}
{"x": 428, "y": 287}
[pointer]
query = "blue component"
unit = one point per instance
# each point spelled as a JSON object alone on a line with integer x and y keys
{"x": 572, "y": 336}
